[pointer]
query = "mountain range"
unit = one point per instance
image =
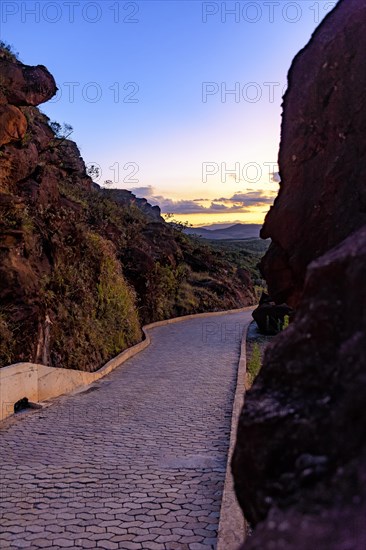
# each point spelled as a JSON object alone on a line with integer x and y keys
{"x": 236, "y": 231}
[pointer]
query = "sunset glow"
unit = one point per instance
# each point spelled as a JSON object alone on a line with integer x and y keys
{"x": 152, "y": 113}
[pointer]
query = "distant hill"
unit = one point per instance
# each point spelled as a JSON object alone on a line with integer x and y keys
{"x": 236, "y": 231}
{"x": 213, "y": 226}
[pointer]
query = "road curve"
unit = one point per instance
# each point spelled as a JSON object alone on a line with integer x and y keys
{"x": 138, "y": 460}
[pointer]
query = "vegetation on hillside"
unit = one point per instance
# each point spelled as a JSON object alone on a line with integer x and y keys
{"x": 172, "y": 273}
{"x": 83, "y": 268}
{"x": 104, "y": 268}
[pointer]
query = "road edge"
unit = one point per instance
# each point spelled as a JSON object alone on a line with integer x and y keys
{"x": 231, "y": 532}
{"x": 40, "y": 383}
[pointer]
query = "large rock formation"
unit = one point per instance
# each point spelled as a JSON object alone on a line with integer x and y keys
{"x": 124, "y": 197}
{"x": 322, "y": 158}
{"x": 300, "y": 458}
{"x": 81, "y": 268}
{"x": 25, "y": 85}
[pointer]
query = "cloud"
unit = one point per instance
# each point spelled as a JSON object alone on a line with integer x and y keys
{"x": 276, "y": 177}
{"x": 169, "y": 205}
{"x": 192, "y": 207}
{"x": 177, "y": 207}
{"x": 219, "y": 207}
{"x": 249, "y": 198}
{"x": 143, "y": 192}
{"x": 240, "y": 202}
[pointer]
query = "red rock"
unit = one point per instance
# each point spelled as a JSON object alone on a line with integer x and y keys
{"x": 300, "y": 458}
{"x": 13, "y": 124}
{"x": 300, "y": 453}
{"x": 40, "y": 132}
{"x": 17, "y": 163}
{"x": 25, "y": 85}
{"x": 322, "y": 196}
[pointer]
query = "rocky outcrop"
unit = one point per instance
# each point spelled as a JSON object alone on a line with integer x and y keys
{"x": 322, "y": 196}
{"x": 25, "y": 85}
{"x": 125, "y": 197}
{"x": 299, "y": 463}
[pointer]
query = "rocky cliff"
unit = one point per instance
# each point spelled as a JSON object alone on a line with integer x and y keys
{"x": 322, "y": 157}
{"x": 81, "y": 268}
{"x": 299, "y": 463}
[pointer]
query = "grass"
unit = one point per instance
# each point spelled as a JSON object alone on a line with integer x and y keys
{"x": 94, "y": 312}
{"x": 243, "y": 253}
{"x": 254, "y": 364}
{"x": 6, "y": 339}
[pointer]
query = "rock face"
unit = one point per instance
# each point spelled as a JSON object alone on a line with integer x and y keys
{"x": 300, "y": 458}
{"x": 81, "y": 268}
{"x": 299, "y": 463}
{"x": 24, "y": 85}
{"x": 13, "y": 124}
{"x": 322, "y": 157}
{"x": 124, "y": 197}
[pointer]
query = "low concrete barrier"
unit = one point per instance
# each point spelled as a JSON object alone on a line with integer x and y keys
{"x": 38, "y": 382}
{"x": 232, "y": 525}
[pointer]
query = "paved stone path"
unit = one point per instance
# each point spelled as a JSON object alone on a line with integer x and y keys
{"x": 138, "y": 460}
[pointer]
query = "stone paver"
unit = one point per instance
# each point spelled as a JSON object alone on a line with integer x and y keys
{"x": 135, "y": 462}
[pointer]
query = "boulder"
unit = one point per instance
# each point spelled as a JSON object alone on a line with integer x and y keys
{"x": 26, "y": 85}
{"x": 322, "y": 158}
{"x": 271, "y": 317}
{"x": 300, "y": 458}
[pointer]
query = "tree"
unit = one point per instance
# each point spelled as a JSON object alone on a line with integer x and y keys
{"x": 93, "y": 171}
{"x": 61, "y": 131}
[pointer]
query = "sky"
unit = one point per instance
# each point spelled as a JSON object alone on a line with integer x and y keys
{"x": 176, "y": 100}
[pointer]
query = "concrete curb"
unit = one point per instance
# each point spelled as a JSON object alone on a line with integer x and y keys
{"x": 231, "y": 532}
{"x": 39, "y": 383}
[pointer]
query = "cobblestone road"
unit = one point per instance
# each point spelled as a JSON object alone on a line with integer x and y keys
{"x": 138, "y": 460}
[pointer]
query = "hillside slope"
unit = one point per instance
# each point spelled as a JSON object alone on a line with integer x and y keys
{"x": 82, "y": 268}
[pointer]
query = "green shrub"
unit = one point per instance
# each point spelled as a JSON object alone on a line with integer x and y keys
{"x": 254, "y": 364}
{"x": 7, "y": 51}
{"x": 6, "y": 341}
{"x": 163, "y": 290}
{"x": 94, "y": 314}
